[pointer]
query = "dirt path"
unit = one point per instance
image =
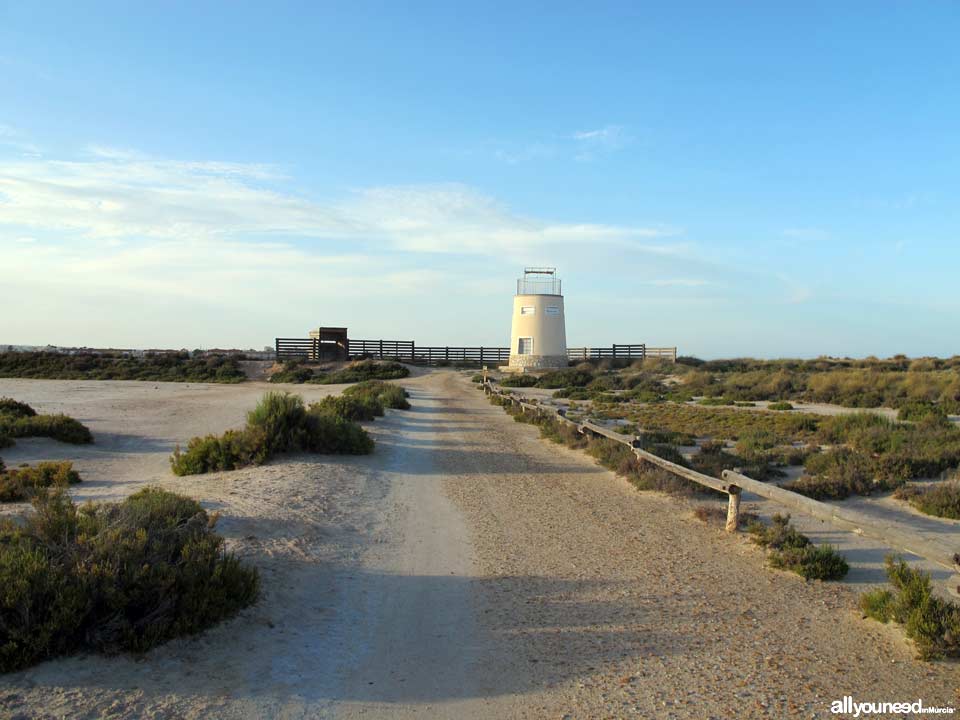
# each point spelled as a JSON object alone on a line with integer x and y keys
{"x": 466, "y": 569}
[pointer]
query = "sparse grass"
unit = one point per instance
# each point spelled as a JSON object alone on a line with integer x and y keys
{"x": 294, "y": 371}
{"x": 723, "y": 423}
{"x": 939, "y": 500}
{"x": 22, "y": 483}
{"x": 789, "y": 549}
{"x": 279, "y": 423}
{"x": 930, "y": 621}
{"x": 922, "y": 410}
{"x": 159, "y": 367}
{"x": 113, "y": 577}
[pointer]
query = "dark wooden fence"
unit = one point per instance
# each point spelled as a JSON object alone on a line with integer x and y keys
{"x": 409, "y": 351}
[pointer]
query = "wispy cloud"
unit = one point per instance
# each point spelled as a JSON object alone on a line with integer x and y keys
{"x": 17, "y": 141}
{"x": 592, "y": 143}
{"x": 122, "y": 195}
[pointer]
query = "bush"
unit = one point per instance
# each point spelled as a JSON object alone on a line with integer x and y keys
{"x": 571, "y": 377}
{"x": 919, "y": 410}
{"x": 838, "y": 474}
{"x": 59, "y": 427}
{"x": 364, "y": 370}
{"x": 519, "y": 380}
{"x": 324, "y": 433}
{"x": 279, "y": 423}
{"x": 932, "y": 622}
{"x": 113, "y": 576}
{"x": 387, "y": 394}
{"x": 292, "y": 372}
{"x": 13, "y": 408}
{"x": 157, "y": 367}
{"x": 789, "y": 549}
{"x": 780, "y": 406}
{"x": 349, "y": 407}
{"x": 940, "y": 500}
{"x": 478, "y": 378}
{"x": 23, "y": 482}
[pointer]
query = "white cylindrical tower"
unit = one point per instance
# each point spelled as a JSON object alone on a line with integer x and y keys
{"x": 538, "y": 336}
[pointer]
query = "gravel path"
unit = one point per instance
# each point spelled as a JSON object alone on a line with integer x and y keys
{"x": 466, "y": 569}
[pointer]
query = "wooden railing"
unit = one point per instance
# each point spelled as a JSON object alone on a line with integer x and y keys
{"x": 733, "y": 483}
{"x": 637, "y": 351}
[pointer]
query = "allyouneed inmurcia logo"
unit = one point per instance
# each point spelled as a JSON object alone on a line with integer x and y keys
{"x": 847, "y": 706}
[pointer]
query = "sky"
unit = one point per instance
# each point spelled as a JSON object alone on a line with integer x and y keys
{"x": 741, "y": 178}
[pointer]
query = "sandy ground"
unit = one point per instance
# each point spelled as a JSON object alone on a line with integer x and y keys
{"x": 465, "y": 569}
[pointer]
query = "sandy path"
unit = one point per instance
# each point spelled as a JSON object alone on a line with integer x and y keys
{"x": 465, "y": 569}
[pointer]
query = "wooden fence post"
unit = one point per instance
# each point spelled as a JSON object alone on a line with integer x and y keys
{"x": 733, "y": 509}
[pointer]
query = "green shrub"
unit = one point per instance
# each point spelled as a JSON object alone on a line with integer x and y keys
{"x": 940, "y": 500}
{"x": 230, "y": 451}
{"x": 324, "y": 433}
{"x": 292, "y": 372}
{"x": 714, "y": 401}
{"x": 571, "y": 377}
{"x": 918, "y": 410}
{"x": 364, "y": 370}
{"x": 387, "y": 394}
{"x": 280, "y": 417}
{"x": 780, "y": 406}
{"x": 519, "y": 380}
{"x": 59, "y": 427}
{"x": 22, "y": 483}
{"x": 478, "y": 378}
{"x": 156, "y": 367}
{"x": 13, "y": 408}
{"x": 838, "y": 474}
{"x": 279, "y": 423}
{"x": 932, "y": 622}
{"x": 350, "y": 407}
{"x": 113, "y": 577}
{"x": 789, "y": 549}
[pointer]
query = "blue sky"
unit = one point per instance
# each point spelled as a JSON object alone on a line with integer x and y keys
{"x": 731, "y": 178}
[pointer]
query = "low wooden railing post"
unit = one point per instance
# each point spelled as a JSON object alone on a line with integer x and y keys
{"x": 733, "y": 509}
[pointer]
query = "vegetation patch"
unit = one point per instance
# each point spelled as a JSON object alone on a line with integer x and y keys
{"x": 279, "y": 423}
{"x": 113, "y": 577}
{"x": 22, "y": 483}
{"x": 939, "y": 500}
{"x": 295, "y": 371}
{"x": 19, "y": 420}
{"x": 930, "y": 621}
{"x": 519, "y": 380}
{"x": 717, "y": 516}
{"x": 789, "y": 549}
{"x": 157, "y": 367}
{"x": 781, "y": 405}
{"x": 387, "y": 394}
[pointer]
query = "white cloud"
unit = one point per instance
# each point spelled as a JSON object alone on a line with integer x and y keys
{"x": 592, "y": 143}
{"x": 121, "y": 195}
{"x": 12, "y": 138}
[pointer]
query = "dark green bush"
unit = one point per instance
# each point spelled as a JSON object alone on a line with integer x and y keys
{"x": 113, "y": 577}
{"x": 13, "y": 408}
{"x": 162, "y": 367}
{"x": 22, "y": 483}
{"x": 789, "y": 549}
{"x": 917, "y": 410}
{"x": 350, "y": 407}
{"x": 780, "y": 406}
{"x": 59, "y": 427}
{"x": 838, "y": 474}
{"x": 519, "y": 380}
{"x": 932, "y": 622}
{"x": 364, "y": 370}
{"x": 940, "y": 500}
{"x": 292, "y": 372}
{"x": 279, "y": 423}
{"x": 387, "y": 394}
{"x": 324, "y": 433}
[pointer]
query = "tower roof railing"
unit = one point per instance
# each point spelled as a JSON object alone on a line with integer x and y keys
{"x": 539, "y": 281}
